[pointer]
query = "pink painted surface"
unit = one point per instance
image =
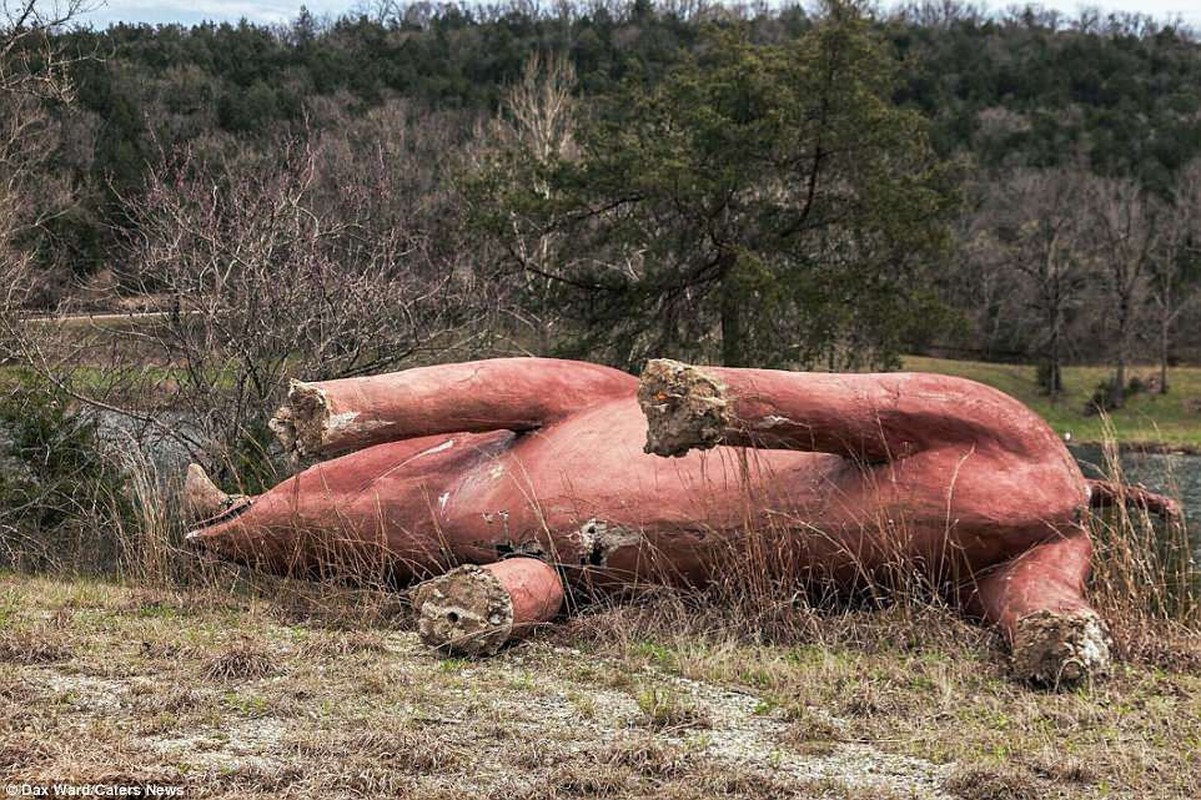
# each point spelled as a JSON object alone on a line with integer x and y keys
{"x": 1047, "y": 577}
{"x": 535, "y": 588}
{"x": 536, "y": 456}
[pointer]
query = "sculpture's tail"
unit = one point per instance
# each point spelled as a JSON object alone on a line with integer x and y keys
{"x": 1108, "y": 494}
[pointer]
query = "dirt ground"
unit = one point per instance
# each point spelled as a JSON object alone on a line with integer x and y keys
{"x": 234, "y": 694}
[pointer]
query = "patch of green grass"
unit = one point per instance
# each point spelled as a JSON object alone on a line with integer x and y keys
{"x": 1172, "y": 419}
{"x": 655, "y": 653}
{"x": 666, "y": 707}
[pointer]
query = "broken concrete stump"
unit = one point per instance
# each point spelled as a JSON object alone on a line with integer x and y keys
{"x": 474, "y": 610}
{"x": 685, "y": 408}
{"x": 1060, "y": 650}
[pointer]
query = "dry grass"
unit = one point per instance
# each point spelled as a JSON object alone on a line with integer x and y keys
{"x": 919, "y": 684}
{"x": 37, "y": 646}
{"x": 245, "y": 660}
{"x": 812, "y": 732}
{"x": 1143, "y": 568}
{"x": 978, "y": 783}
{"x": 217, "y": 693}
{"x": 667, "y": 709}
{"x": 902, "y": 671}
{"x": 226, "y": 694}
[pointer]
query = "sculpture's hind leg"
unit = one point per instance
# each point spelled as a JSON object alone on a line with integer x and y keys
{"x": 1037, "y": 600}
{"x": 872, "y": 418}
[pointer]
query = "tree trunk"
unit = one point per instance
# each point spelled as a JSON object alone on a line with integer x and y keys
{"x": 1117, "y": 392}
{"x": 1054, "y": 383}
{"x": 1054, "y": 380}
{"x": 732, "y": 354}
{"x": 1164, "y": 339}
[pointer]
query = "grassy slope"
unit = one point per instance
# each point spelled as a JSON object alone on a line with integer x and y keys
{"x": 1147, "y": 418}
{"x": 921, "y": 682}
{"x": 315, "y": 693}
{"x": 312, "y": 692}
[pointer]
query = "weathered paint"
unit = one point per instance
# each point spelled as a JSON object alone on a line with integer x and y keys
{"x": 468, "y": 463}
{"x": 475, "y": 610}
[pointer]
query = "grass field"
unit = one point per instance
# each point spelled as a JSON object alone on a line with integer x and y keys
{"x": 1173, "y": 419}
{"x": 299, "y": 690}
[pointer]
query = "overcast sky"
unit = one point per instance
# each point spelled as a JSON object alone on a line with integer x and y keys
{"x": 193, "y": 11}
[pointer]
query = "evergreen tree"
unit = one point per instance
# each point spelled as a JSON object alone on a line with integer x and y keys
{"x": 761, "y": 205}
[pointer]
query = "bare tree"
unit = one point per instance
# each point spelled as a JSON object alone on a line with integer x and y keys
{"x": 1029, "y": 227}
{"x": 985, "y": 286}
{"x": 265, "y": 283}
{"x": 291, "y": 261}
{"x": 34, "y": 75}
{"x": 1175, "y": 271}
{"x": 535, "y": 129}
{"x": 1125, "y": 222}
{"x": 540, "y": 111}
{"x": 30, "y": 62}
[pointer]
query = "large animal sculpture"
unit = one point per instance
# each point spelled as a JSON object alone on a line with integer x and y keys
{"x": 502, "y": 483}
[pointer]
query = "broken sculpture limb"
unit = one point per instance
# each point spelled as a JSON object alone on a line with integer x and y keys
{"x": 1037, "y": 600}
{"x": 849, "y": 476}
{"x": 474, "y": 610}
{"x": 1053, "y": 649}
{"x": 332, "y": 417}
{"x": 685, "y": 408}
{"x": 302, "y": 424}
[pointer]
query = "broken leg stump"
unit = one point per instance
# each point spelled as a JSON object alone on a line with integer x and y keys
{"x": 474, "y": 610}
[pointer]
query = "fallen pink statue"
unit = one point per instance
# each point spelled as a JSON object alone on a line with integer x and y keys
{"x": 504, "y": 483}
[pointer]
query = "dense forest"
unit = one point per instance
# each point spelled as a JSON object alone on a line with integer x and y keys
{"x": 804, "y": 186}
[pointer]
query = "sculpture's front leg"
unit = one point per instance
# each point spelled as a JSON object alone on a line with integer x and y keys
{"x": 473, "y": 610}
{"x": 517, "y": 394}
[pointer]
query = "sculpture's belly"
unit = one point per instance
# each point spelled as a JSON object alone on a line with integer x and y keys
{"x": 583, "y": 492}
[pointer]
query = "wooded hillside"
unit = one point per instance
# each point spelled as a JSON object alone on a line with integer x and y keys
{"x": 739, "y": 184}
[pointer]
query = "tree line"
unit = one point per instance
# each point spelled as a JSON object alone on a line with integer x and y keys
{"x": 779, "y": 186}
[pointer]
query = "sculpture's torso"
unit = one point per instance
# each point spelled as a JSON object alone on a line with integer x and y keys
{"x": 582, "y": 492}
{"x": 837, "y": 478}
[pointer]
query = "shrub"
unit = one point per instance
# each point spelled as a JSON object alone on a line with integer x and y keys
{"x": 59, "y": 488}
